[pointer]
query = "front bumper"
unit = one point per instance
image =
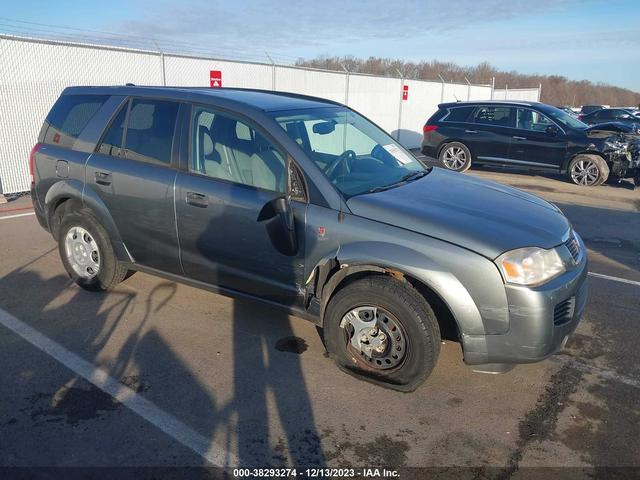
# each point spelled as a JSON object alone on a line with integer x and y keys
{"x": 541, "y": 320}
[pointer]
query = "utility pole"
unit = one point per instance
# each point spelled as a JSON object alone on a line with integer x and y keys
{"x": 400, "y": 104}
{"x": 346, "y": 89}
{"x": 164, "y": 77}
{"x": 442, "y": 89}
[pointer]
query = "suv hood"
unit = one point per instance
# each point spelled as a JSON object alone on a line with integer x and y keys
{"x": 602, "y": 130}
{"x": 479, "y": 215}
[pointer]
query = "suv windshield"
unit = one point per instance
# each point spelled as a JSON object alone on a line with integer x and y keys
{"x": 564, "y": 118}
{"x": 355, "y": 155}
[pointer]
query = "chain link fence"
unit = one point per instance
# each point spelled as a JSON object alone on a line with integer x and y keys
{"x": 35, "y": 71}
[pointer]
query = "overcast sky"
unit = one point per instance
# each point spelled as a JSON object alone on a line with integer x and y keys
{"x": 581, "y": 39}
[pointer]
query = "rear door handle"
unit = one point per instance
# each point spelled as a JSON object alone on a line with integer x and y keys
{"x": 471, "y": 131}
{"x": 197, "y": 199}
{"x": 518, "y": 138}
{"x": 103, "y": 178}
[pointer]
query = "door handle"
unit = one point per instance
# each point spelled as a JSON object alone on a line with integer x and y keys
{"x": 515, "y": 137}
{"x": 102, "y": 178}
{"x": 471, "y": 131}
{"x": 197, "y": 199}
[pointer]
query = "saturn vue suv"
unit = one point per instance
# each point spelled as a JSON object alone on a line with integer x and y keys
{"x": 304, "y": 204}
{"x": 527, "y": 135}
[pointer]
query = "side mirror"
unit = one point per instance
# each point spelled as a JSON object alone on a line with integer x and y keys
{"x": 280, "y": 224}
{"x": 552, "y": 130}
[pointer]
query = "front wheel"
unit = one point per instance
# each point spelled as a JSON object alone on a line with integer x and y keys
{"x": 86, "y": 252}
{"x": 455, "y": 156}
{"x": 382, "y": 330}
{"x": 588, "y": 170}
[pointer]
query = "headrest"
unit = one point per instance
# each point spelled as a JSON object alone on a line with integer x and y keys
{"x": 206, "y": 142}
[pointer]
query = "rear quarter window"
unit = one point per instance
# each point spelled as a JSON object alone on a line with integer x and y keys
{"x": 69, "y": 116}
{"x": 458, "y": 114}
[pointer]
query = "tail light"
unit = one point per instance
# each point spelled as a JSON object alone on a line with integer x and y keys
{"x": 429, "y": 128}
{"x": 32, "y": 159}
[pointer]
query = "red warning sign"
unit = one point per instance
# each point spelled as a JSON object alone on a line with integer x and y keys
{"x": 215, "y": 78}
{"x": 405, "y": 92}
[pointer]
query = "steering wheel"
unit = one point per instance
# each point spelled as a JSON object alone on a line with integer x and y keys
{"x": 344, "y": 157}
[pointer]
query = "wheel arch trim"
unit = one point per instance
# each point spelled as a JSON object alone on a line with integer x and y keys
{"x": 73, "y": 189}
{"x": 398, "y": 261}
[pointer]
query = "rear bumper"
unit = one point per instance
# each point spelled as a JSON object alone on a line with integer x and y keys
{"x": 428, "y": 150}
{"x": 39, "y": 211}
{"x": 540, "y": 321}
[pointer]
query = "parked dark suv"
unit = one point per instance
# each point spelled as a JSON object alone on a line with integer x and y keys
{"x": 305, "y": 204}
{"x": 530, "y": 135}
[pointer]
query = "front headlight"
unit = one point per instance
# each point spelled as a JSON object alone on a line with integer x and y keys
{"x": 530, "y": 265}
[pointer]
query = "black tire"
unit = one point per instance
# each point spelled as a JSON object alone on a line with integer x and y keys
{"x": 414, "y": 316}
{"x": 111, "y": 271}
{"x": 460, "y": 159}
{"x": 588, "y": 163}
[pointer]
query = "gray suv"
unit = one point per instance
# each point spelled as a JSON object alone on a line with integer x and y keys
{"x": 303, "y": 203}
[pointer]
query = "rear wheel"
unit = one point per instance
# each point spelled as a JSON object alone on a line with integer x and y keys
{"x": 382, "y": 330}
{"x": 588, "y": 170}
{"x": 455, "y": 156}
{"x": 86, "y": 252}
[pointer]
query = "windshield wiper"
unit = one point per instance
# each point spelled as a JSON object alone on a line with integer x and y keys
{"x": 405, "y": 179}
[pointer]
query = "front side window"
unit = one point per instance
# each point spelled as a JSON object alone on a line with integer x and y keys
{"x": 228, "y": 149}
{"x": 498, "y": 116}
{"x": 355, "y": 155}
{"x": 604, "y": 115}
{"x": 564, "y": 119}
{"x": 69, "y": 116}
{"x": 531, "y": 120}
{"x": 150, "y": 130}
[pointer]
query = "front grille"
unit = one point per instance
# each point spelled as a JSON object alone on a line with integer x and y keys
{"x": 574, "y": 247}
{"x": 563, "y": 312}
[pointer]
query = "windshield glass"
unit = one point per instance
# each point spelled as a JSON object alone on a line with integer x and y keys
{"x": 565, "y": 119}
{"x": 355, "y": 155}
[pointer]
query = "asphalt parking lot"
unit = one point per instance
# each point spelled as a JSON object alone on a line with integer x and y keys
{"x": 196, "y": 378}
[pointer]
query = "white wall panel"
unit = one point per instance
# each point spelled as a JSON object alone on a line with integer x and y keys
{"x": 310, "y": 82}
{"x": 34, "y": 72}
{"x": 376, "y": 98}
{"x": 422, "y": 102}
{"x": 194, "y": 72}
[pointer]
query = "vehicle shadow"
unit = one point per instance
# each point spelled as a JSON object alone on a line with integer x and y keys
{"x": 408, "y": 137}
{"x": 117, "y": 331}
{"x": 87, "y": 324}
{"x": 269, "y": 389}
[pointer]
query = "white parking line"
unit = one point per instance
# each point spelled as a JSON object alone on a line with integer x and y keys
{"x": 614, "y": 279}
{"x": 17, "y": 215}
{"x": 150, "y": 412}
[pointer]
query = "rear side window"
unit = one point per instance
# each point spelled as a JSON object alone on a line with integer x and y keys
{"x": 458, "y": 114}
{"x": 150, "y": 129}
{"x": 69, "y": 116}
{"x": 490, "y": 115}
